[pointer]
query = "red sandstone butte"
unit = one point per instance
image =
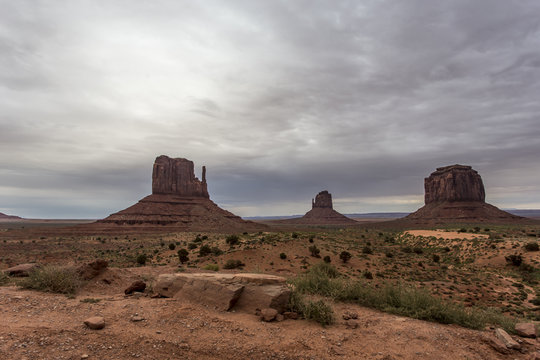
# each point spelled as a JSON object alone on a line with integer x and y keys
{"x": 456, "y": 193}
{"x": 179, "y": 201}
{"x": 321, "y": 213}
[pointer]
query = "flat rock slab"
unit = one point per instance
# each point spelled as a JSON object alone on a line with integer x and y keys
{"x": 244, "y": 292}
{"x": 95, "y": 322}
{"x": 506, "y": 339}
{"x": 526, "y": 330}
{"x": 21, "y": 270}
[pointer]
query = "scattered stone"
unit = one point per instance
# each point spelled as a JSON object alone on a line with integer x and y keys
{"x": 280, "y": 318}
{"x": 93, "y": 269}
{"x": 84, "y": 356}
{"x": 506, "y": 339}
{"x": 22, "y": 270}
{"x": 535, "y": 356}
{"x": 527, "y": 330}
{"x": 496, "y": 344}
{"x": 137, "y": 318}
{"x": 95, "y": 322}
{"x": 349, "y": 315}
{"x": 268, "y": 314}
{"x": 138, "y": 285}
{"x": 290, "y": 315}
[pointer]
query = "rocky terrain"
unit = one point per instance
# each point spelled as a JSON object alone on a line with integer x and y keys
{"x": 179, "y": 201}
{"x": 321, "y": 213}
{"x": 8, "y": 217}
{"x": 456, "y": 194}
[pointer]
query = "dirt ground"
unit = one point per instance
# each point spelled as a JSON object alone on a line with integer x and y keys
{"x": 447, "y": 235}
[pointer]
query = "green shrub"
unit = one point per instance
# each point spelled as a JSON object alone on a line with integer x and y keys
{"x": 436, "y": 258}
{"x": 172, "y": 246}
{"x": 53, "y": 278}
{"x": 314, "y": 250}
{"x": 418, "y": 250}
{"x": 282, "y": 256}
{"x": 205, "y": 250}
{"x": 4, "y": 278}
{"x": 532, "y": 246}
{"x": 327, "y": 259}
{"x": 367, "y": 250}
{"x": 318, "y": 311}
{"x": 233, "y": 264}
{"x": 514, "y": 259}
{"x": 368, "y": 275}
{"x": 294, "y": 235}
{"x": 183, "y": 256}
{"x": 192, "y": 246}
{"x": 141, "y": 259}
{"x": 213, "y": 267}
{"x": 345, "y": 256}
{"x": 216, "y": 251}
{"x": 232, "y": 240}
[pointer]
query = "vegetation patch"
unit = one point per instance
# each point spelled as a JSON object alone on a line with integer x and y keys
{"x": 53, "y": 278}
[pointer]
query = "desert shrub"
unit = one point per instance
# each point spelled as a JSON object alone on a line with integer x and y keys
{"x": 407, "y": 250}
{"x": 418, "y": 250}
{"x": 368, "y": 275}
{"x": 197, "y": 239}
{"x": 436, "y": 258}
{"x": 216, "y": 251}
{"x": 4, "y": 278}
{"x": 233, "y": 264}
{"x": 192, "y": 246}
{"x": 172, "y": 246}
{"x": 283, "y": 256}
{"x": 53, "y": 278}
{"x": 204, "y": 237}
{"x": 232, "y": 240}
{"x": 205, "y": 250}
{"x": 314, "y": 250}
{"x": 311, "y": 239}
{"x": 212, "y": 267}
{"x": 367, "y": 250}
{"x": 318, "y": 311}
{"x": 514, "y": 259}
{"x": 294, "y": 235}
{"x": 327, "y": 259}
{"x": 141, "y": 259}
{"x": 345, "y": 256}
{"x": 389, "y": 254}
{"x": 183, "y": 256}
{"x": 532, "y": 246}
{"x": 397, "y": 299}
{"x": 446, "y": 249}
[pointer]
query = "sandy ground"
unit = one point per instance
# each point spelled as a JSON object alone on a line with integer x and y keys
{"x": 448, "y": 235}
{"x": 48, "y": 326}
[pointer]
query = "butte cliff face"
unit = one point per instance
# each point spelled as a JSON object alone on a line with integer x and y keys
{"x": 456, "y": 193}
{"x": 321, "y": 213}
{"x": 179, "y": 201}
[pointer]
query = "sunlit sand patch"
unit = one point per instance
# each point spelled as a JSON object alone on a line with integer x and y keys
{"x": 449, "y": 235}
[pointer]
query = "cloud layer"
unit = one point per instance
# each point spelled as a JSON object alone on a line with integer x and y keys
{"x": 279, "y": 99}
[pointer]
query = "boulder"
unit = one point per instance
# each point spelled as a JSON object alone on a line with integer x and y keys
{"x": 93, "y": 269}
{"x": 95, "y": 322}
{"x": 506, "y": 339}
{"x": 243, "y": 292}
{"x": 21, "y": 270}
{"x": 138, "y": 285}
{"x": 527, "y": 330}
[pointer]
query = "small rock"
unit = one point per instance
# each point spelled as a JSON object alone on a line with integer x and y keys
{"x": 135, "y": 286}
{"x": 21, "y": 270}
{"x": 280, "y": 317}
{"x": 349, "y": 315}
{"x": 290, "y": 315}
{"x": 93, "y": 269}
{"x": 268, "y": 314}
{"x": 84, "y": 356}
{"x": 527, "y": 330}
{"x": 496, "y": 344}
{"x": 95, "y": 322}
{"x": 137, "y": 318}
{"x": 506, "y": 339}
{"x": 351, "y": 324}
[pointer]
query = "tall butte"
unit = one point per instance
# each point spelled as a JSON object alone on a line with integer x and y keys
{"x": 179, "y": 201}
{"x": 321, "y": 213}
{"x": 456, "y": 193}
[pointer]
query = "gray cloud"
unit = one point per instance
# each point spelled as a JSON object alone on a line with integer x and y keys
{"x": 280, "y": 99}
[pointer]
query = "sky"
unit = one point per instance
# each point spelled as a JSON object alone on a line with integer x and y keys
{"x": 279, "y": 99}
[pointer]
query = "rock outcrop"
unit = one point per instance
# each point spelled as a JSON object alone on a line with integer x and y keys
{"x": 179, "y": 201}
{"x": 241, "y": 292}
{"x": 9, "y": 217}
{"x": 456, "y": 194}
{"x": 321, "y": 213}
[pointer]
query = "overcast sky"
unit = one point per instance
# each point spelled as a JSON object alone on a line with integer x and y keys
{"x": 279, "y": 99}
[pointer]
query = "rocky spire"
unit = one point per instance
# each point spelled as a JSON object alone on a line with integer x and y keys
{"x": 322, "y": 200}
{"x": 177, "y": 177}
{"x": 454, "y": 183}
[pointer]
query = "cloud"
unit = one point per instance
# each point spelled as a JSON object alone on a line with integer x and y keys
{"x": 279, "y": 99}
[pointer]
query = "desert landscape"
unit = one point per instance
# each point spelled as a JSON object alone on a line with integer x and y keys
{"x": 176, "y": 276}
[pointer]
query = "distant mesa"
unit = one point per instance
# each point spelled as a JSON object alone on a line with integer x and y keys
{"x": 321, "y": 213}
{"x": 456, "y": 193}
{"x": 9, "y": 217}
{"x": 179, "y": 201}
